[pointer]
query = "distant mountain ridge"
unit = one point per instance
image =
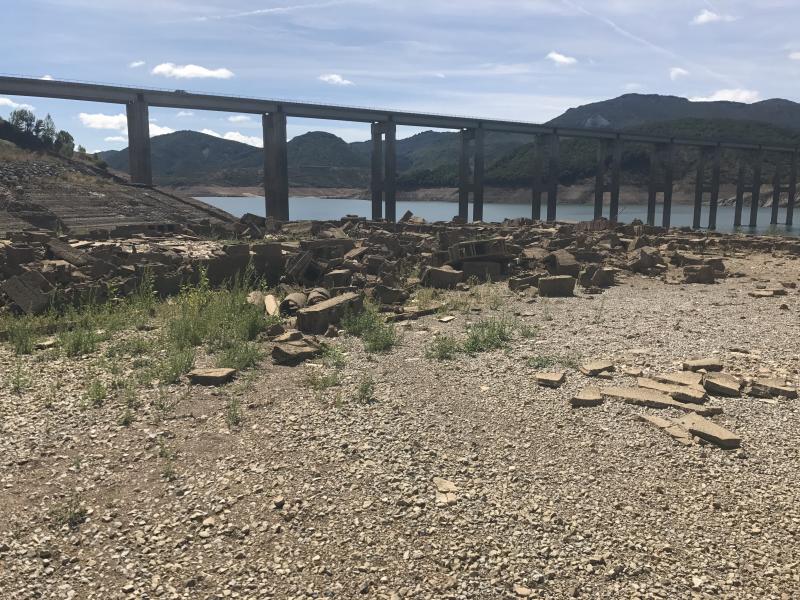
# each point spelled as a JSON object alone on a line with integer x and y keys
{"x": 430, "y": 159}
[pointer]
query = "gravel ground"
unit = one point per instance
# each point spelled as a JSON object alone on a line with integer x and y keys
{"x": 317, "y": 494}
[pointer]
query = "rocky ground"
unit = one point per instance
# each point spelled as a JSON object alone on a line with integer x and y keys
{"x": 399, "y": 475}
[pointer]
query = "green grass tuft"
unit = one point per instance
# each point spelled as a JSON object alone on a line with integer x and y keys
{"x": 488, "y": 334}
{"x": 443, "y": 347}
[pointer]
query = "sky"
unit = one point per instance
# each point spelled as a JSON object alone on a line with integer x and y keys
{"x": 526, "y": 60}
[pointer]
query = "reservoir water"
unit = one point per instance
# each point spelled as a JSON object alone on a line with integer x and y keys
{"x": 315, "y": 208}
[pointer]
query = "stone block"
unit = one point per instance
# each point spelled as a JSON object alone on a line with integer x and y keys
{"x": 315, "y": 319}
{"x": 558, "y": 286}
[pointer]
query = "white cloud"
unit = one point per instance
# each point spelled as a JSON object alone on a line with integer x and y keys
{"x": 633, "y": 86}
{"x": 211, "y": 132}
{"x": 736, "y": 95}
{"x": 676, "y": 73}
{"x": 46, "y": 77}
{"x": 795, "y": 56}
{"x": 159, "y": 130}
{"x": 136, "y": 64}
{"x": 561, "y": 59}
{"x": 334, "y": 79}
{"x": 706, "y": 16}
{"x": 245, "y": 139}
{"x": 190, "y": 71}
{"x": 8, "y": 102}
{"x": 239, "y": 118}
{"x": 116, "y": 138}
{"x": 101, "y": 121}
{"x": 185, "y": 113}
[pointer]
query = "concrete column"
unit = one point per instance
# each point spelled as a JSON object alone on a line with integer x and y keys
{"x": 464, "y": 185}
{"x": 276, "y": 168}
{"x": 737, "y": 211}
{"x": 600, "y": 178}
{"x": 792, "y": 189}
{"x": 552, "y": 176}
{"x": 699, "y": 182}
{"x": 390, "y": 172}
{"x": 536, "y": 188}
{"x": 616, "y": 167}
{"x": 652, "y": 184}
{"x": 477, "y": 177}
{"x": 376, "y": 179}
{"x": 666, "y": 214}
{"x": 776, "y": 192}
{"x": 715, "y": 176}
{"x": 756, "y": 188}
{"x": 139, "y": 158}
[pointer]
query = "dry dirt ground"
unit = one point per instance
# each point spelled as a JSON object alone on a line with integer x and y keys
{"x": 319, "y": 493}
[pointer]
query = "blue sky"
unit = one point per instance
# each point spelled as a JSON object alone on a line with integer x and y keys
{"x": 519, "y": 59}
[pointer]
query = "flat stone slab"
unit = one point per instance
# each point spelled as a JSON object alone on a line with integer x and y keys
{"x": 315, "y": 319}
{"x": 654, "y": 399}
{"x": 687, "y": 378}
{"x": 772, "y": 388}
{"x": 722, "y": 384}
{"x": 553, "y": 380}
{"x": 595, "y": 367}
{"x": 677, "y": 432}
{"x": 680, "y": 393}
{"x": 211, "y": 376}
{"x": 292, "y": 353}
{"x": 587, "y": 397}
{"x": 710, "y": 431}
{"x": 707, "y": 364}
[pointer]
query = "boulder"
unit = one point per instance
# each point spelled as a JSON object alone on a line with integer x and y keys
{"x": 558, "y": 286}
{"x": 562, "y": 262}
{"x": 698, "y": 274}
{"x": 441, "y": 277}
{"x": 292, "y": 353}
{"x": 389, "y": 295}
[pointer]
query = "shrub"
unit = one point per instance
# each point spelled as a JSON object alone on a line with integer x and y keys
{"x": 377, "y": 335}
{"x": 443, "y": 347}
{"x": 96, "y": 393}
{"x": 488, "y": 334}
{"x": 241, "y": 356}
{"x": 366, "y": 390}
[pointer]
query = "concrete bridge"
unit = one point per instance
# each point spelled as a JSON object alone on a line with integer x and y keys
{"x": 471, "y": 162}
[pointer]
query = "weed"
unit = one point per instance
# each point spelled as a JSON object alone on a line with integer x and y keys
{"x": 377, "y": 335}
{"x": 126, "y": 418}
{"x": 527, "y": 331}
{"x": 72, "y": 514}
{"x": 547, "y": 314}
{"x": 176, "y": 363}
{"x": 319, "y": 382}
{"x": 168, "y": 471}
{"x": 568, "y": 361}
{"x": 427, "y": 298}
{"x": 240, "y": 357}
{"x": 163, "y": 404}
{"x": 78, "y": 342}
{"x": 443, "y": 347}
{"x": 19, "y": 380}
{"x": 21, "y": 335}
{"x": 488, "y": 334}
{"x": 333, "y": 357}
{"x": 366, "y": 390}
{"x": 380, "y": 339}
{"x": 164, "y": 451}
{"x": 233, "y": 412}
{"x": 96, "y": 393}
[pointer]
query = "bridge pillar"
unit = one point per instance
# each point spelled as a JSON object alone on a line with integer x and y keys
{"x": 652, "y": 184}
{"x": 477, "y": 190}
{"x": 666, "y": 214}
{"x": 616, "y": 166}
{"x": 776, "y": 193}
{"x": 276, "y": 168}
{"x": 698, "y": 188}
{"x": 737, "y": 211}
{"x": 552, "y": 176}
{"x": 390, "y": 171}
{"x": 759, "y": 157}
{"x": 464, "y": 183}
{"x": 536, "y": 187}
{"x": 600, "y": 178}
{"x": 376, "y": 179}
{"x": 792, "y": 189}
{"x": 139, "y": 159}
{"x": 716, "y": 167}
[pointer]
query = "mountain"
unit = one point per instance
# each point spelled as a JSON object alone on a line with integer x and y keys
{"x": 430, "y": 158}
{"x": 632, "y": 110}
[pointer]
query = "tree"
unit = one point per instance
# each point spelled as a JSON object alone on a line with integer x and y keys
{"x": 64, "y": 143}
{"x": 81, "y": 150}
{"x": 23, "y": 119}
{"x": 48, "y": 134}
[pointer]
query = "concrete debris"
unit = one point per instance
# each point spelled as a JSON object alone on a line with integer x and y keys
{"x": 654, "y": 399}
{"x": 558, "y": 286}
{"x": 551, "y": 379}
{"x": 772, "y": 388}
{"x": 316, "y": 319}
{"x": 587, "y": 397}
{"x": 595, "y": 367}
{"x": 702, "y": 364}
{"x": 681, "y": 393}
{"x": 722, "y": 384}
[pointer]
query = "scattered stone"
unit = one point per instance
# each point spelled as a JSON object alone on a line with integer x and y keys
{"x": 698, "y": 274}
{"x": 552, "y": 380}
{"x": 271, "y": 305}
{"x": 709, "y": 431}
{"x": 771, "y": 388}
{"x": 685, "y": 378}
{"x": 654, "y": 399}
{"x": 722, "y": 384}
{"x": 316, "y": 319}
{"x": 292, "y": 353}
{"x": 679, "y": 433}
{"x": 441, "y": 277}
{"x": 706, "y": 364}
{"x": 595, "y": 367}
{"x": 210, "y": 376}
{"x": 681, "y": 393}
{"x": 446, "y": 319}
{"x": 587, "y": 397}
